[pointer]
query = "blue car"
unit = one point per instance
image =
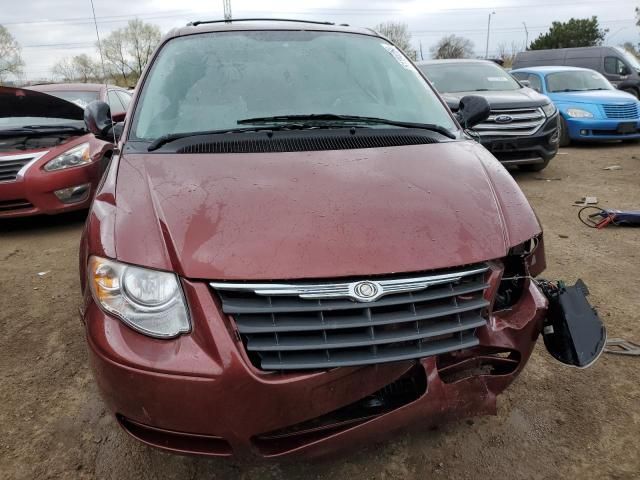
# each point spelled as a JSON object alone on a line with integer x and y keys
{"x": 590, "y": 107}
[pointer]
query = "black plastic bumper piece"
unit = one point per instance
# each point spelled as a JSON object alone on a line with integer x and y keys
{"x": 573, "y": 332}
{"x": 525, "y": 150}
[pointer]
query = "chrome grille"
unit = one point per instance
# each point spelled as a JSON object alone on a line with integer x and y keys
{"x": 12, "y": 165}
{"x": 523, "y": 122}
{"x": 628, "y": 110}
{"x": 283, "y": 328}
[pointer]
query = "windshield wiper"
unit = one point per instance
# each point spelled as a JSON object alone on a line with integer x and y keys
{"x": 40, "y": 130}
{"x": 331, "y": 117}
{"x": 53, "y": 127}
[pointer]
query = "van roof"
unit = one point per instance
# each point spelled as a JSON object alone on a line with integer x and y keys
{"x": 551, "y": 69}
{"x": 206, "y": 26}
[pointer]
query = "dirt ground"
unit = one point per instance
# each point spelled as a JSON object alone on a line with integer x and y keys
{"x": 554, "y": 422}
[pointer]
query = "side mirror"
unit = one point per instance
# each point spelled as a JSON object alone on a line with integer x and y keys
{"x": 624, "y": 71}
{"x": 97, "y": 118}
{"x": 525, "y": 83}
{"x": 473, "y": 110}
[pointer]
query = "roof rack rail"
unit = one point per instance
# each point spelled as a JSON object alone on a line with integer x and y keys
{"x": 203, "y": 22}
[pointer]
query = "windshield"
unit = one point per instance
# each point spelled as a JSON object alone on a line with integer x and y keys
{"x": 630, "y": 58}
{"x": 80, "y": 98}
{"x": 576, "y": 81}
{"x": 469, "y": 77}
{"x": 7, "y": 123}
{"x": 211, "y": 81}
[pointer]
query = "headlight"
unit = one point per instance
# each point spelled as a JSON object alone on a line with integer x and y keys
{"x": 549, "y": 109}
{"x": 149, "y": 301}
{"x": 579, "y": 113}
{"x": 73, "y": 157}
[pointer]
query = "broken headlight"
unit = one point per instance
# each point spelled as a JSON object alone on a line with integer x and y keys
{"x": 523, "y": 261}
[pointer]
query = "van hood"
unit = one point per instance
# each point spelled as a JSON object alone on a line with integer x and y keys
{"x": 509, "y": 99}
{"x": 594, "y": 96}
{"x": 317, "y": 214}
{"x": 21, "y": 102}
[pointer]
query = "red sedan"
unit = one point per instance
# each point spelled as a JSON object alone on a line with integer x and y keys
{"x": 49, "y": 163}
{"x": 83, "y": 94}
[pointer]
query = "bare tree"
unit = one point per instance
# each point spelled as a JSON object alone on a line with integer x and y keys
{"x": 81, "y": 68}
{"x": 10, "y": 59}
{"x": 114, "y": 51}
{"x": 632, "y": 49}
{"x": 508, "y": 53}
{"x": 399, "y": 34}
{"x": 142, "y": 38}
{"x": 452, "y": 46}
{"x": 127, "y": 50}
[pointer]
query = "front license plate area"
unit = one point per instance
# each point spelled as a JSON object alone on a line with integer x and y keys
{"x": 627, "y": 127}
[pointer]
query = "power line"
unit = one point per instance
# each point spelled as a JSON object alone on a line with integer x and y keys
{"x": 417, "y": 33}
{"x": 313, "y": 11}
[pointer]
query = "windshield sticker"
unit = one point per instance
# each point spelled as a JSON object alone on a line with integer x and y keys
{"x": 497, "y": 79}
{"x": 400, "y": 58}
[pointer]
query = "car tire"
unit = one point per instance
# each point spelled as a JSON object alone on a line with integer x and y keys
{"x": 633, "y": 91}
{"x": 563, "y": 133}
{"x": 534, "y": 167}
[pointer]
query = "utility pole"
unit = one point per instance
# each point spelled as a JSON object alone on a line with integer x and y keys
{"x": 227, "y": 10}
{"x": 486, "y": 55}
{"x": 421, "y": 55}
{"x": 526, "y": 36}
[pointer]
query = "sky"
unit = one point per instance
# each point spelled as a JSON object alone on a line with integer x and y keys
{"x": 49, "y": 30}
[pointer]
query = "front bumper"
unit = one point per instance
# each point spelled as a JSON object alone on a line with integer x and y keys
{"x": 525, "y": 150}
{"x": 200, "y": 394}
{"x": 34, "y": 194}
{"x": 594, "y": 130}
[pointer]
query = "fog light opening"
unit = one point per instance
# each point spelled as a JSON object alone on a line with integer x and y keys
{"x": 76, "y": 194}
{"x": 584, "y": 133}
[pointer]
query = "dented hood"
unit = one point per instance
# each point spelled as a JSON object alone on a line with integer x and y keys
{"x": 21, "y": 102}
{"x": 317, "y": 214}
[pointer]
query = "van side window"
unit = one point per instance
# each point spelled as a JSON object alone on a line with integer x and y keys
{"x": 614, "y": 66}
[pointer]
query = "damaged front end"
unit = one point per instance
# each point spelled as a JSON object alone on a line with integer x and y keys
{"x": 573, "y": 333}
{"x": 312, "y": 376}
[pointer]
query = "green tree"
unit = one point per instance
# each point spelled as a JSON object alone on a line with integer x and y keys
{"x": 577, "y": 32}
{"x": 399, "y": 35}
{"x": 10, "y": 59}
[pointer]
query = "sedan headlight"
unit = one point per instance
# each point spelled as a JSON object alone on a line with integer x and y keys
{"x": 549, "y": 109}
{"x": 148, "y": 301}
{"x": 73, "y": 157}
{"x": 579, "y": 113}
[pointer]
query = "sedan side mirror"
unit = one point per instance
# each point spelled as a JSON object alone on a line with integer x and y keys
{"x": 97, "y": 118}
{"x": 473, "y": 110}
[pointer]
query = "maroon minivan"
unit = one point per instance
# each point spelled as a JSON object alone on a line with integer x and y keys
{"x": 298, "y": 248}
